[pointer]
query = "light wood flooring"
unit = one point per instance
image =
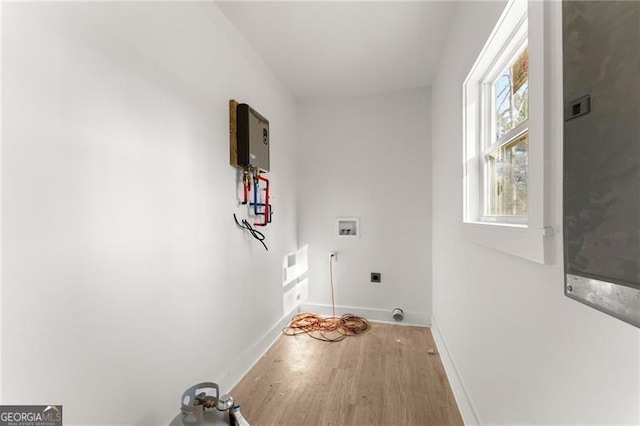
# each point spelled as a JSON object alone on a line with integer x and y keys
{"x": 383, "y": 377}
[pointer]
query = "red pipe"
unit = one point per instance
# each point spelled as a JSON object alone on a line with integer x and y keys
{"x": 245, "y": 184}
{"x": 266, "y": 203}
{"x": 246, "y": 192}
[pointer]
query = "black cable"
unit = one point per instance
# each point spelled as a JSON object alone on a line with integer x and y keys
{"x": 256, "y": 234}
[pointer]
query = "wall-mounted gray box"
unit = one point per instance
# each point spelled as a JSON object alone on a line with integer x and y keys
{"x": 601, "y": 61}
{"x": 252, "y": 138}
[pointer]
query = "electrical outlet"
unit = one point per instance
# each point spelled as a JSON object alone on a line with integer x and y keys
{"x": 376, "y": 277}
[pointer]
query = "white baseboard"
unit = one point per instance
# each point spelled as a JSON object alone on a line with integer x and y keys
{"x": 469, "y": 416}
{"x": 232, "y": 375}
{"x": 375, "y": 315}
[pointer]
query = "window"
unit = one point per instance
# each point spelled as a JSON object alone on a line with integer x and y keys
{"x": 504, "y": 136}
{"x": 505, "y": 146}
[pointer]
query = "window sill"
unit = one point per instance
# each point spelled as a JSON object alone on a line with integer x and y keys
{"x": 518, "y": 240}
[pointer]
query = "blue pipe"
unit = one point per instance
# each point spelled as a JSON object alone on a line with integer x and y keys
{"x": 262, "y": 213}
{"x": 256, "y": 186}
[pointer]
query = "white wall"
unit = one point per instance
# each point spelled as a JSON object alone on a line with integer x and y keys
{"x": 125, "y": 279}
{"x": 368, "y": 157}
{"x": 524, "y": 352}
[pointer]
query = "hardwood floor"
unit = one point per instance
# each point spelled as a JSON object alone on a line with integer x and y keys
{"x": 383, "y": 377}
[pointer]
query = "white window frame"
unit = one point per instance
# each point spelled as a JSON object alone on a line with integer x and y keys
{"x": 489, "y": 142}
{"x": 524, "y": 239}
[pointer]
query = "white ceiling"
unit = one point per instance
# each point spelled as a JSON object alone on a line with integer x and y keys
{"x": 336, "y": 49}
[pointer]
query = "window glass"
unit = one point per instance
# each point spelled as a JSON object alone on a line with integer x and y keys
{"x": 511, "y": 95}
{"x": 507, "y": 169}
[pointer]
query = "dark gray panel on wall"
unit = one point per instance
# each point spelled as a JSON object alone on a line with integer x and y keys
{"x": 601, "y": 49}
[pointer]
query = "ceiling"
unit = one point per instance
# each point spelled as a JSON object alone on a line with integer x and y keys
{"x": 340, "y": 48}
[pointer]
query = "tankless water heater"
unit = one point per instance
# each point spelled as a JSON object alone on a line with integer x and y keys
{"x": 249, "y": 137}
